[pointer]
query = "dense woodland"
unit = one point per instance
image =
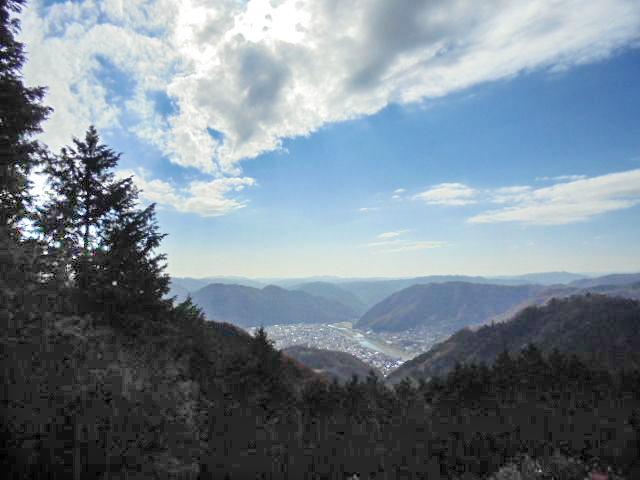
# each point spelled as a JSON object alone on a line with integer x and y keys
{"x": 103, "y": 378}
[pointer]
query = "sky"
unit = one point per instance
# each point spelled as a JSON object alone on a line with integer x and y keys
{"x": 293, "y": 138}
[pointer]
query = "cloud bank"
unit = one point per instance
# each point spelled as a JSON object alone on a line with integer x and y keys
{"x": 389, "y": 242}
{"x": 574, "y": 198}
{"x": 213, "y": 83}
{"x": 448, "y": 194}
{"x": 392, "y": 234}
{"x": 209, "y": 199}
{"x": 566, "y": 202}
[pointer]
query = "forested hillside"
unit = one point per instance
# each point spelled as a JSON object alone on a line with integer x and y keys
{"x": 443, "y": 305}
{"x": 341, "y": 366}
{"x": 604, "y": 331}
{"x": 371, "y": 292}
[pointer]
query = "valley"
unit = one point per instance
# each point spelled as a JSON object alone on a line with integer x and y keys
{"x": 384, "y": 351}
{"x": 404, "y": 325}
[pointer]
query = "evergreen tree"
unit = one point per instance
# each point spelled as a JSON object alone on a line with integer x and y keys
{"x": 106, "y": 244}
{"x": 127, "y": 270}
{"x": 20, "y": 116}
{"x": 315, "y": 399}
{"x": 531, "y": 365}
{"x": 21, "y": 113}
{"x": 269, "y": 360}
{"x": 405, "y": 393}
{"x": 85, "y": 195}
{"x": 504, "y": 367}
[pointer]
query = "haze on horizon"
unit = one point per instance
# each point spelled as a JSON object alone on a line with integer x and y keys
{"x": 340, "y": 278}
{"x": 303, "y": 138}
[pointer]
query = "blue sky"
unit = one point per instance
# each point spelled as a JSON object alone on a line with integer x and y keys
{"x": 297, "y": 138}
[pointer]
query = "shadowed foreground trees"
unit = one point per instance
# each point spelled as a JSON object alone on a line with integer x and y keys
{"x": 471, "y": 423}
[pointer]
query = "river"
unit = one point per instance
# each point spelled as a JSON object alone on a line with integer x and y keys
{"x": 345, "y": 328}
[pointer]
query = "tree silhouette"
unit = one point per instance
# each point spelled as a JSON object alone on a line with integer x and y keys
{"x": 21, "y": 114}
{"x": 84, "y": 193}
{"x": 105, "y": 243}
{"x": 127, "y": 267}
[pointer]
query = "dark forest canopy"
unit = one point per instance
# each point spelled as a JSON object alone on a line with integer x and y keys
{"x": 604, "y": 331}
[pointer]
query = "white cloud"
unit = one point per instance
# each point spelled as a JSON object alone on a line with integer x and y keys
{"x": 566, "y": 202}
{"x": 261, "y": 71}
{"x": 208, "y": 199}
{"x": 448, "y": 194}
{"x": 392, "y": 234}
{"x": 413, "y": 246}
{"x": 70, "y": 47}
{"x": 397, "y": 245}
{"x": 389, "y": 242}
{"x": 562, "y": 178}
{"x": 397, "y": 193}
{"x": 509, "y": 194}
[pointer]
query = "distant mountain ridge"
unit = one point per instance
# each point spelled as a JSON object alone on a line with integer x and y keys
{"x": 372, "y": 292}
{"x": 182, "y": 287}
{"x": 271, "y": 305}
{"x": 360, "y": 295}
{"x": 615, "y": 279}
{"x": 193, "y": 284}
{"x": 544, "y": 278}
{"x": 450, "y": 305}
{"x": 630, "y": 291}
{"x": 178, "y": 292}
{"x": 602, "y": 329}
{"x": 332, "y": 292}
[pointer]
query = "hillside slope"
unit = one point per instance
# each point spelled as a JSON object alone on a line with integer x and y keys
{"x": 603, "y": 330}
{"x": 178, "y": 291}
{"x": 443, "y": 305}
{"x": 331, "y": 364}
{"x": 247, "y": 306}
{"x": 134, "y": 407}
{"x": 371, "y": 292}
{"x": 630, "y": 291}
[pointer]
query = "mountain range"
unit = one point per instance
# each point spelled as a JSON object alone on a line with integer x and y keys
{"x": 271, "y": 305}
{"x": 390, "y": 304}
{"x": 370, "y": 291}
